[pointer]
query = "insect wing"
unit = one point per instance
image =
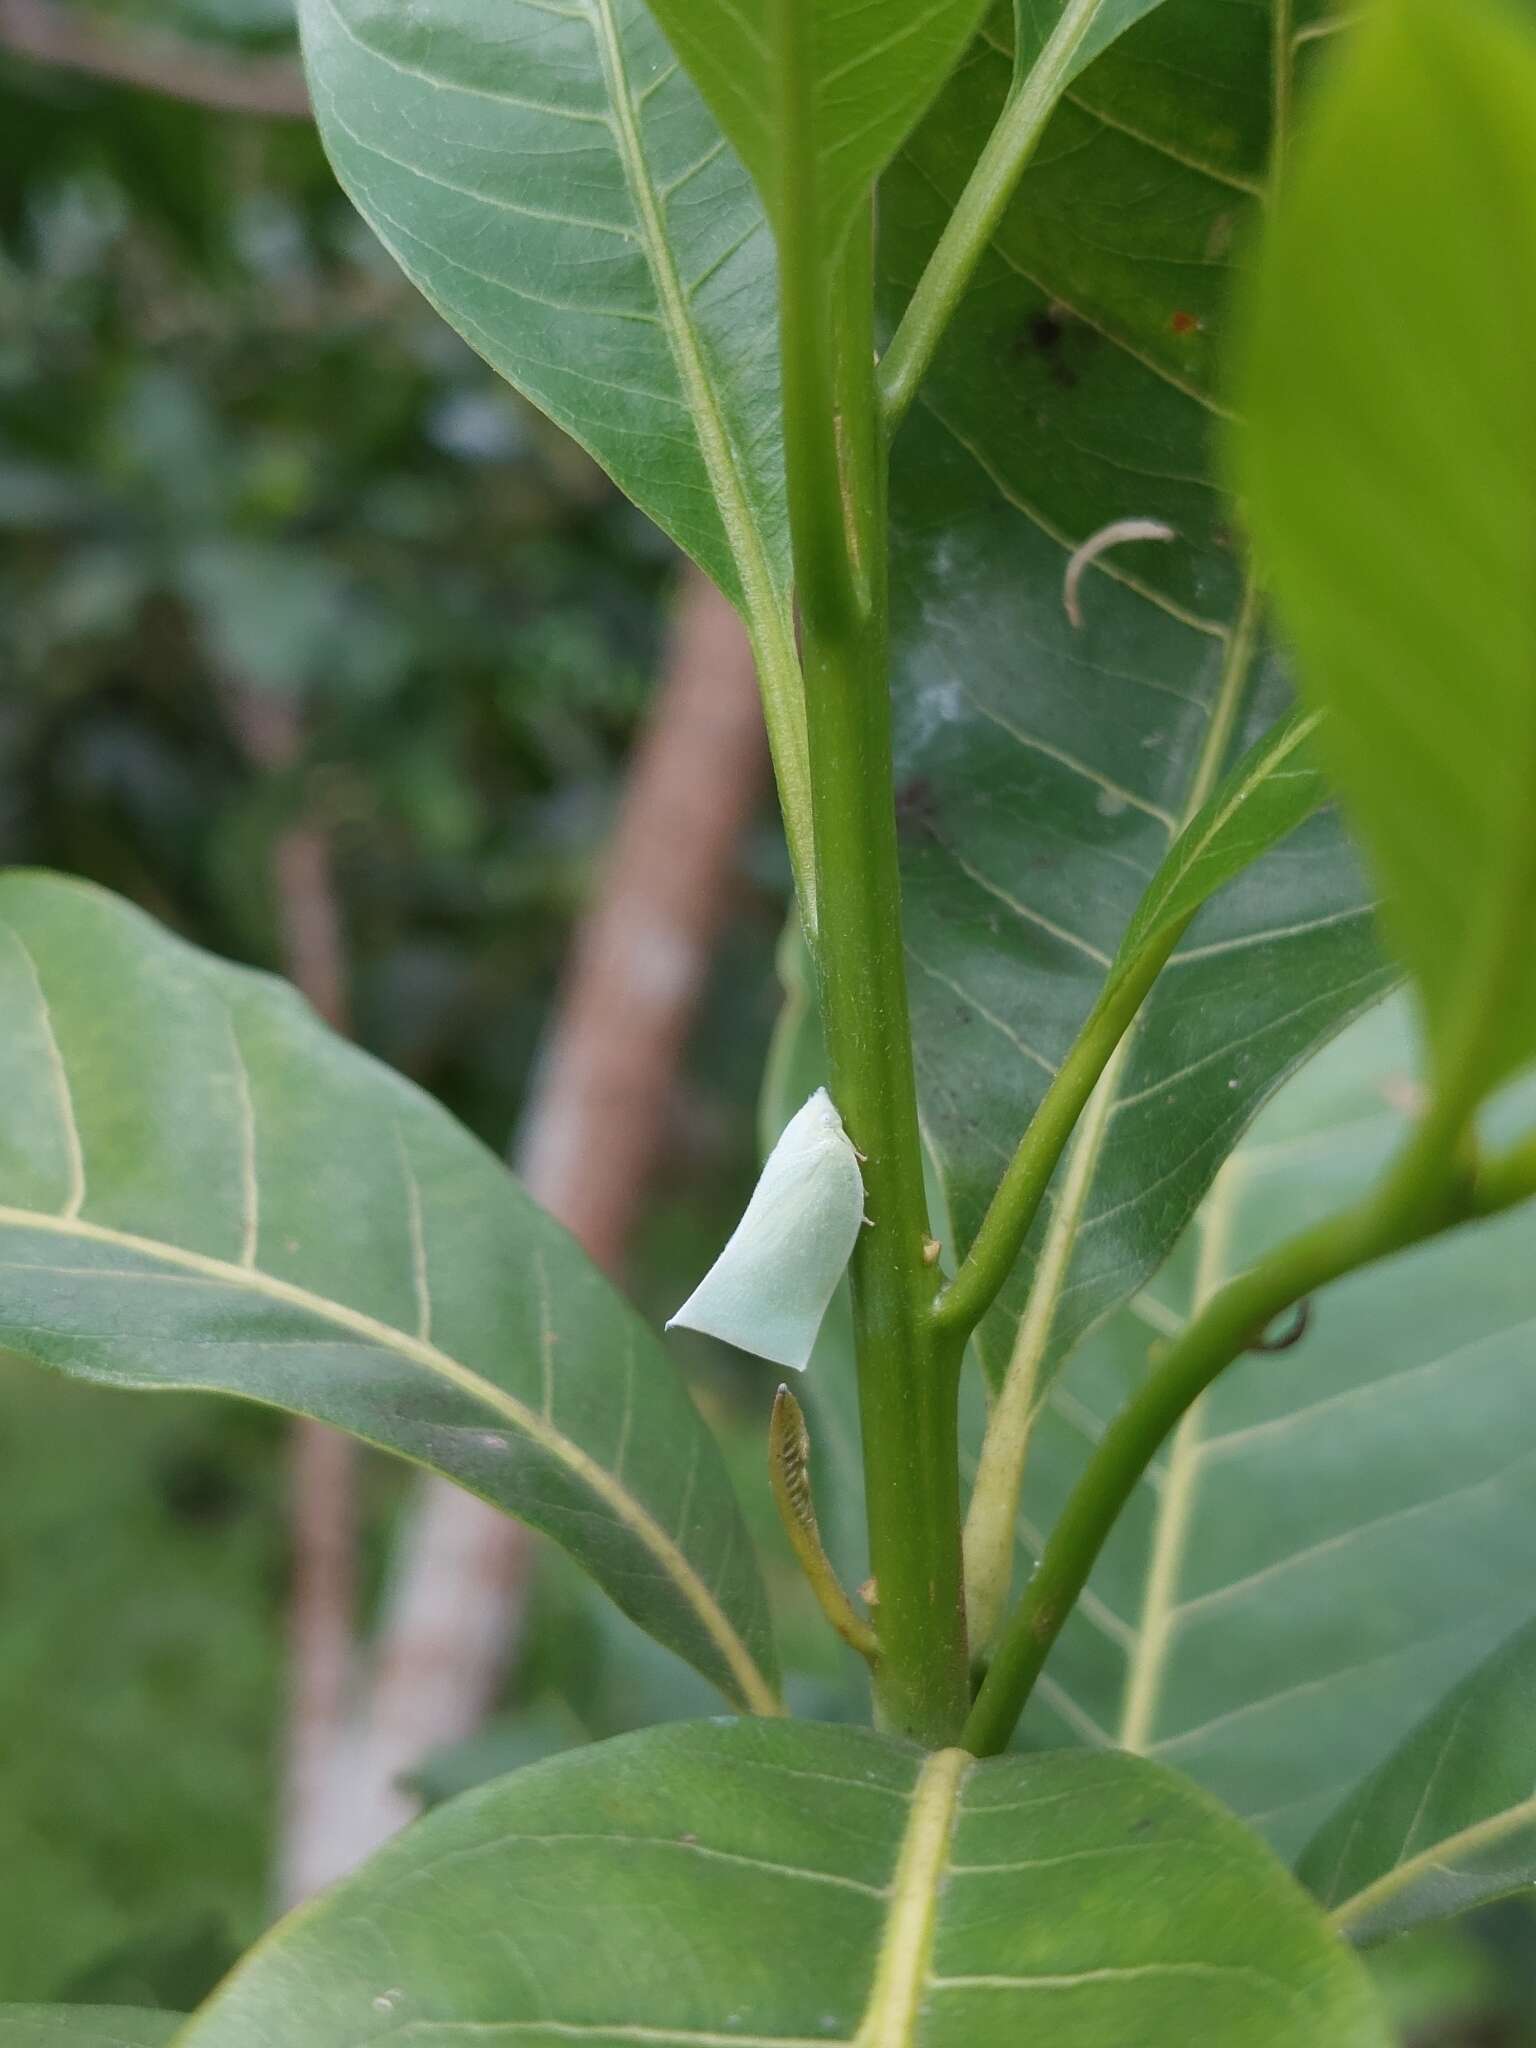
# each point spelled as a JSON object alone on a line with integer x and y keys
{"x": 768, "y": 1291}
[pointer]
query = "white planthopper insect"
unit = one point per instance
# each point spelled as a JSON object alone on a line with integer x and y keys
{"x": 768, "y": 1291}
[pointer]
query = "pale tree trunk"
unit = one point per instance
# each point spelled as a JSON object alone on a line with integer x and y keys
{"x": 588, "y": 1142}
{"x": 322, "y": 1463}
{"x": 77, "y": 38}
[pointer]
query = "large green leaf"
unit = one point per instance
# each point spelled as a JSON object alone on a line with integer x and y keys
{"x": 84, "y": 2026}
{"x": 831, "y": 110}
{"x": 553, "y": 183}
{"x": 1042, "y": 772}
{"x": 551, "y": 180}
{"x": 1390, "y": 463}
{"x": 1449, "y": 1821}
{"x": 1339, "y": 1531}
{"x": 791, "y": 1884}
{"x": 1268, "y": 795}
{"x": 201, "y": 1187}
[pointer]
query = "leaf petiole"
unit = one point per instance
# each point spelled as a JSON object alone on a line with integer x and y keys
{"x": 978, "y": 210}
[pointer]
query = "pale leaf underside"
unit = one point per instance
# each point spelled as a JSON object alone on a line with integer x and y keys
{"x": 84, "y": 2026}
{"x": 1449, "y": 1821}
{"x": 1338, "y": 1531}
{"x": 552, "y": 182}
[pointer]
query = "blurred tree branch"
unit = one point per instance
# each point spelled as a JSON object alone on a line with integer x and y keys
{"x": 322, "y": 1464}
{"x": 71, "y": 39}
{"x": 590, "y": 1138}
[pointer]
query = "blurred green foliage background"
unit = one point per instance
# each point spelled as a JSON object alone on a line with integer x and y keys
{"x": 242, "y": 464}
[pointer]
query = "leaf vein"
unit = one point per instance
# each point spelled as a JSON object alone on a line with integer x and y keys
{"x": 622, "y": 1506}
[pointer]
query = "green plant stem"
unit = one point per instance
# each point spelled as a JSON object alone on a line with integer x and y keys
{"x": 1505, "y": 1179}
{"x": 980, "y": 207}
{"x": 907, "y": 1376}
{"x": 907, "y": 1381}
{"x": 988, "y": 1540}
{"x": 1079, "y": 1098}
{"x": 1021, "y": 1190}
{"x": 1430, "y": 1189}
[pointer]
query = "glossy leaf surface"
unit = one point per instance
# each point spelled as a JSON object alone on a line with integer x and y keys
{"x": 1390, "y": 461}
{"x": 1102, "y": 23}
{"x": 553, "y": 183}
{"x": 828, "y": 102}
{"x": 789, "y": 1884}
{"x": 201, "y": 1187}
{"x": 1042, "y": 772}
{"x": 84, "y": 2026}
{"x": 550, "y": 179}
{"x": 1341, "y": 1529}
{"x": 1271, "y": 792}
{"x": 1449, "y": 1820}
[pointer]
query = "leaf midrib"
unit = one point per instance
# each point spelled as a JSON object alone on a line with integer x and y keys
{"x": 1465, "y": 1842}
{"x": 902, "y": 1963}
{"x": 755, "y": 1688}
{"x": 764, "y": 604}
{"x": 714, "y": 441}
{"x": 764, "y": 607}
{"x": 1152, "y": 1640}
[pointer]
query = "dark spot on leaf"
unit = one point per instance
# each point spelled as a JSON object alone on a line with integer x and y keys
{"x": 1186, "y": 323}
{"x": 915, "y": 808}
{"x": 1045, "y": 332}
{"x": 1056, "y": 337}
